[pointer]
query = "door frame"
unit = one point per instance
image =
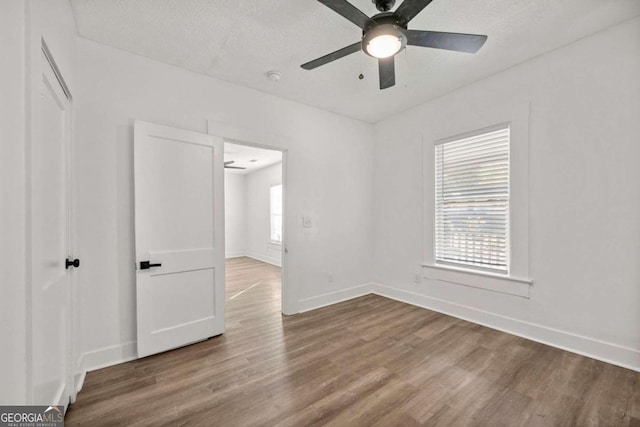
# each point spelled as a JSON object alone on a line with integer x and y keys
{"x": 249, "y": 138}
{"x": 38, "y": 56}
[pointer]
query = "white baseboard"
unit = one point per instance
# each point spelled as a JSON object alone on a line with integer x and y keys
{"x": 110, "y": 356}
{"x": 235, "y": 255}
{"x": 269, "y": 260}
{"x": 81, "y": 373}
{"x": 79, "y": 382}
{"x": 596, "y": 349}
{"x": 331, "y": 298}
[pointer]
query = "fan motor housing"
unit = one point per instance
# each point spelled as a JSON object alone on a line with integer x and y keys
{"x": 384, "y": 5}
{"x": 381, "y": 19}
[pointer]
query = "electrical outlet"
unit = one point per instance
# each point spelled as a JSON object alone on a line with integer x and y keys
{"x": 330, "y": 277}
{"x": 417, "y": 278}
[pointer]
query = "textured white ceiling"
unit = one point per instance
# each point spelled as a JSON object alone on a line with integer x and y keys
{"x": 239, "y": 41}
{"x": 251, "y": 158}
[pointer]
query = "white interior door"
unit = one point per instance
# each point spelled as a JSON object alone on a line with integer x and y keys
{"x": 179, "y": 236}
{"x": 50, "y": 242}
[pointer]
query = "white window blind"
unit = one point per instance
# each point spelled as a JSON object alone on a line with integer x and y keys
{"x": 275, "y": 199}
{"x": 472, "y": 201}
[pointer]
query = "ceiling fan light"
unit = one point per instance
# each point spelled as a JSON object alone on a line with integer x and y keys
{"x": 384, "y": 46}
{"x": 384, "y": 41}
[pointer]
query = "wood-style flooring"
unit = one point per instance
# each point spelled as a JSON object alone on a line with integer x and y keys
{"x": 369, "y": 361}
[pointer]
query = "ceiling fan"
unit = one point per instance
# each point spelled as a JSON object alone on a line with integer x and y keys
{"x": 227, "y": 165}
{"x": 385, "y": 35}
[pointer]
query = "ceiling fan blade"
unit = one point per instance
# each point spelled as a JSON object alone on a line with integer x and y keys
{"x": 230, "y": 162}
{"x": 347, "y": 10}
{"x": 332, "y": 56}
{"x": 410, "y": 8}
{"x": 469, "y": 43}
{"x": 387, "y": 71}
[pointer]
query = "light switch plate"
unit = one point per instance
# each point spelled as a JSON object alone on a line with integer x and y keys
{"x": 306, "y": 222}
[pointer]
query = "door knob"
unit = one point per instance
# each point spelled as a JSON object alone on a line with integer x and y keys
{"x": 71, "y": 263}
{"x": 145, "y": 265}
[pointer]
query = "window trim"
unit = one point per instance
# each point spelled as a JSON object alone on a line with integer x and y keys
{"x": 517, "y": 281}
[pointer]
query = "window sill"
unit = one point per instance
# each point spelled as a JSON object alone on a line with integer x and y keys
{"x": 478, "y": 279}
{"x": 271, "y": 242}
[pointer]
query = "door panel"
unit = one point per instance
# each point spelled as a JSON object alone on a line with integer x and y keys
{"x": 179, "y": 223}
{"x": 180, "y": 202}
{"x": 50, "y": 243}
{"x": 175, "y": 306}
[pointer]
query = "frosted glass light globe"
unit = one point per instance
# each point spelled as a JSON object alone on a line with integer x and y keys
{"x": 384, "y": 40}
{"x": 384, "y": 46}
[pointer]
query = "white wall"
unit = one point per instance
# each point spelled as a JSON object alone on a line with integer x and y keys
{"x": 247, "y": 214}
{"x": 258, "y": 221}
{"x": 235, "y": 222}
{"x": 584, "y": 197}
{"x": 22, "y": 26}
{"x": 116, "y": 87}
{"x": 12, "y": 199}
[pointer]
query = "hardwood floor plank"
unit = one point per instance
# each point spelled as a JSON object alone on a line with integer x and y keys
{"x": 324, "y": 410}
{"x": 367, "y": 361}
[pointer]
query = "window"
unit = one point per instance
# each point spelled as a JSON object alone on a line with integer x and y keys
{"x": 472, "y": 201}
{"x": 275, "y": 203}
{"x": 455, "y": 252}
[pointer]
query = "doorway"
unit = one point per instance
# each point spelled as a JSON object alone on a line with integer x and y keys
{"x": 254, "y": 231}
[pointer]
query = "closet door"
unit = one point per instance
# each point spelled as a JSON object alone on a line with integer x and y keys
{"x": 51, "y": 264}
